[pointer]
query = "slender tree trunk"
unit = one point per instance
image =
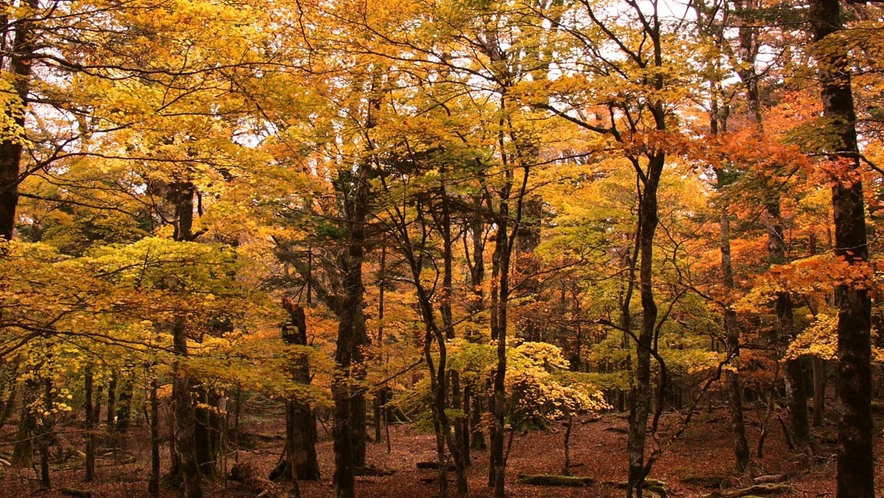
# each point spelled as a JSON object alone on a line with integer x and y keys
{"x": 380, "y": 413}
{"x": 499, "y": 298}
{"x": 111, "y": 407}
{"x": 566, "y": 470}
{"x": 462, "y": 449}
{"x": 153, "y": 484}
{"x": 464, "y": 426}
{"x": 796, "y": 391}
{"x": 89, "y": 425}
{"x": 46, "y": 436}
{"x": 733, "y": 380}
{"x": 856, "y": 470}
{"x": 819, "y": 390}
{"x": 732, "y": 335}
{"x": 476, "y": 263}
{"x": 639, "y": 409}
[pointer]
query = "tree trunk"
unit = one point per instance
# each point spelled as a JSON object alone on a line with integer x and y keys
{"x": 181, "y": 195}
{"x": 796, "y": 391}
{"x": 123, "y": 411}
{"x": 153, "y": 484}
{"x": 23, "y": 451}
{"x": 856, "y": 471}
{"x": 11, "y": 148}
{"x": 111, "y": 407}
{"x": 732, "y": 335}
{"x": 89, "y": 425}
{"x": 380, "y": 410}
{"x": 476, "y": 262}
{"x": 46, "y": 436}
{"x": 639, "y": 409}
{"x": 207, "y": 431}
{"x": 499, "y": 298}
{"x": 460, "y": 453}
{"x": 185, "y": 416}
{"x": 819, "y": 390}
{"x": 349, "y": 420}
{"x": 566, "y": 469}
{"x": 300, "y": 418}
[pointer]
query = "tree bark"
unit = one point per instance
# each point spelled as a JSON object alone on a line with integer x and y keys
{"x": 639, "y": 409}
{"x": 300, "y": 418}
{"x": 181, "y": 195}
{"x": 123, "y": 411}
{"x": 46, "y": 433}
{"x": 349, "y": 420}
{"x": 476, "y": 263}
{"x": 11, "y": 149}
{"x": 499, "y": 298}
{"x": 111, "y": 406}
{"x": 796, "y": 391}
{"x": 856, "y": 473}
{"x": 23, "y": 451}
{"x": 153, "y": 484}
{"x": 185, "y": 416}
{"x": 732, "y": 336}
{"x": 89, "y": 425}
{"x": 819, "y": 390}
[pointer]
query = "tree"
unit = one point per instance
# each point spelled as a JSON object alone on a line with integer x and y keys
{"x": 299, "y": 460}
{"x": 17, "y": 80}
{"x": 855, "y": 427}
{"x": 642, "y": 115}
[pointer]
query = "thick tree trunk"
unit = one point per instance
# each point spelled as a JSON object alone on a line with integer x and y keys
{"x": 349, "y": 419}
{"x": 207, "y": 432}
{"x": 9, "y": 404}
{"x": 11, "y": 149}
{"x": 300, "y": 418}
{"x": 23, "y": 450}
{"x": 123, "y": 411}
{"x": 185, "y": 416}
{"x": 181, "y": 195}
{"x": 856, "y": 471}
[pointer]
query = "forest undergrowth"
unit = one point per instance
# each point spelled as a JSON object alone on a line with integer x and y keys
{"x": 698, "y": 464}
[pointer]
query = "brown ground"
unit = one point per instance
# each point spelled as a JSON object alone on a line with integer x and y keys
{"x": 697, "y": 464}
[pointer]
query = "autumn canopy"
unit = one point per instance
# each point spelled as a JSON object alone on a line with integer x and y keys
{"x": 483, "y": 218}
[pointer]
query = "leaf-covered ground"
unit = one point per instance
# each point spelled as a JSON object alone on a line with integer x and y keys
{"x": 697, "y": 464}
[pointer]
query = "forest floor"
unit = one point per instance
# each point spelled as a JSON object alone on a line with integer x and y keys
{"x": 697, "y": 464}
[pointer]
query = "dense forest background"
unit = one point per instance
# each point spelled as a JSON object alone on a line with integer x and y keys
{"x": 484, "y": 218}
